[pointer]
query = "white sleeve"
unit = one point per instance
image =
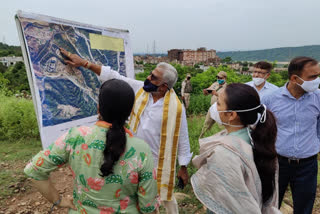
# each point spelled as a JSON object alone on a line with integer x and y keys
{"x": 184, "y": 155}
{"x": 107, "y": 74}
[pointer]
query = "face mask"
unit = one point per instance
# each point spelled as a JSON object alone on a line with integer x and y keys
{"x": 188, "y": 78}
{"x": 149, "y": 87}
{"x": 214, "y": 113}
{"x": 310, "y": 86}
{"x": 258, "y": 81}
{"x": 220, "y": 82}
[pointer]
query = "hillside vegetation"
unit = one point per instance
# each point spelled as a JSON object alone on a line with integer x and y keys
{"x": 280, "y": 54}
{"x": 8, "y": 50}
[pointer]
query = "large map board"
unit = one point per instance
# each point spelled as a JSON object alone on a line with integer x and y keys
{"x": 64, "y": 96}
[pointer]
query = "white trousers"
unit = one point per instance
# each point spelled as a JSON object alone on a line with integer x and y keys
{"x": 171, "y": 206}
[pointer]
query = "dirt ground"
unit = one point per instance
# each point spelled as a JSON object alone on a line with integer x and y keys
{"x": 28, "y": 200}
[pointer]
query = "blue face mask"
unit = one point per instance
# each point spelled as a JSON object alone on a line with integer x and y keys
{"x": 149, "y": 87}
{"x": 220, "y": 82}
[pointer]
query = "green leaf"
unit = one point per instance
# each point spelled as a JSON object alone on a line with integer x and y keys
{"x": 97, "y": 144}
{"x": 130, "y": 153}
{"x": 82, "y": 180}
{"x": 142, "y": 156}
{"x": 56, "y": 159}
{"x": 89, "y": 203}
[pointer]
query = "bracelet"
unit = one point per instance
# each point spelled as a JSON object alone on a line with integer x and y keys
{"x": 55, "y": 204}
{"x": 89, "y": 64}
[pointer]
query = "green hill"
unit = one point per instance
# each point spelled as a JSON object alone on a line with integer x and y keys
{"x": 8, "y": 50}
{"x": 280, "y": 54}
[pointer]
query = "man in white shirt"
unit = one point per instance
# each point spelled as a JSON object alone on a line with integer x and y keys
{"x": 259, "y": 81}
{"x": 162, "y": 78}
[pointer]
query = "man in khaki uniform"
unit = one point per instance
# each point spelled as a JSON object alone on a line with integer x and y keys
{"x": 186, "y": 89}
{"x": 213, "y": 89}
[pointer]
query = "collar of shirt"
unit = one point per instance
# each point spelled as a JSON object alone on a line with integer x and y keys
{"x": 266, "y": 85}
{"x": 286, "y": 92}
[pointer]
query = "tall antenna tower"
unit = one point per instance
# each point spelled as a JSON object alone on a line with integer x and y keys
{"x": 147, "y": 49}
{"x": 154, "y": 47}
{"x": 4, "y": 40}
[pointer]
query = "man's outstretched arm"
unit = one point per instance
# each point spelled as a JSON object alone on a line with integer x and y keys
{"x": 104, "y": 72}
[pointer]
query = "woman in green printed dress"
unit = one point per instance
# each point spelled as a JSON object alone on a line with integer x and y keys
{"x": 112, "y": 170}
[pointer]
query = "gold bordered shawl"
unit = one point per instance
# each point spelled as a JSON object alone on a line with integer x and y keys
{"x": 169, "y": 138}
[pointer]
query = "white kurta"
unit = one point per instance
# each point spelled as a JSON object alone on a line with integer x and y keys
{"x": 150, "y": 121}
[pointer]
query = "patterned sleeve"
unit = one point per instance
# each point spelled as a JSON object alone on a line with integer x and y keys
{"x": 46, "y": 161}
{"x": 147, "y": 189}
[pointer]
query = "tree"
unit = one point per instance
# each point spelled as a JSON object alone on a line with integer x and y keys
{"x": 227, "y": 60}
{"x": 17, "y": 77}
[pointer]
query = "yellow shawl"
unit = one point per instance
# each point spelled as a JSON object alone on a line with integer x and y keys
{"x": 170, "y": 129}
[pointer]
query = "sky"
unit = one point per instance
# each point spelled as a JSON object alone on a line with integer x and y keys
{"x": 223, "y": 25}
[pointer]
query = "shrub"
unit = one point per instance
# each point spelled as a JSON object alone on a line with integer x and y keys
{"x": 199, "y": 104}
{"x": 17, "y": 118}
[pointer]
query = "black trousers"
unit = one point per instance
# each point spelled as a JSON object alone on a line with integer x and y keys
{"x": 302, "y": 178}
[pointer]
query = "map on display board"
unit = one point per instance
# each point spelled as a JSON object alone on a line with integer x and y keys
{"x": 65, "y": 96}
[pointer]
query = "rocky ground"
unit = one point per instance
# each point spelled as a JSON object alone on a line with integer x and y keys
{"x": 27, "y": 200}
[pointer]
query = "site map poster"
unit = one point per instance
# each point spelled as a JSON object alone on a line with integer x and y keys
{"x": 64, "y": 96}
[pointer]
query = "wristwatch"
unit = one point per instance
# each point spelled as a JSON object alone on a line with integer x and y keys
{"x": 55, "y": 204}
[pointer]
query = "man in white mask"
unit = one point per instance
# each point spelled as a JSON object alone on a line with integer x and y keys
{"x": 296, "y": 106}
{"x": 259, "y": 81}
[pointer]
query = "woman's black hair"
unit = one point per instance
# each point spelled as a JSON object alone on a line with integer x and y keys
{"x": 240, "y": 97}
{"x": 116, "y": 99}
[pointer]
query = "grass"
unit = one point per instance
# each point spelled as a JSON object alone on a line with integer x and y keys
{"x": 13, "y": 158}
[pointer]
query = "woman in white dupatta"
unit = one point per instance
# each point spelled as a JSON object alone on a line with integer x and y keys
{"x": 238, "y": 166}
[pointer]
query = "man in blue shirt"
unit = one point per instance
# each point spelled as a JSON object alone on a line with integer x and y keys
{"x": 260, "y": 74}
{"x": 297, "y": 109}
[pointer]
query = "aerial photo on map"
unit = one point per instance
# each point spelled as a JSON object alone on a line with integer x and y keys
{"x": 66, "y": 93}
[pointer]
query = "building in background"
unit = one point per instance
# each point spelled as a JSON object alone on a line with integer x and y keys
{"x": 10, "y": 60}
{"x": 191, "y": 57}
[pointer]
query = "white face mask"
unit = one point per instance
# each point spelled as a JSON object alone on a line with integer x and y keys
{"x": 258, "y": 81}
{"x": 214, "y": 113}
{"x": 310, "y": 86}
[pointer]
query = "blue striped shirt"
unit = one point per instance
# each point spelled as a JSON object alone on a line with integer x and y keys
{"x": 268, "y": 88}
{"x": 298, "y": 122}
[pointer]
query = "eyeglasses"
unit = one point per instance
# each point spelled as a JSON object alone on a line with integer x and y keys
{"x": 219, "y": 78}
{"x": 259, "y": 73}
{"x": 153, "y": 77}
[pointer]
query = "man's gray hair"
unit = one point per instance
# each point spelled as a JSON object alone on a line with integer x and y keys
{"x": 170, "y": 74}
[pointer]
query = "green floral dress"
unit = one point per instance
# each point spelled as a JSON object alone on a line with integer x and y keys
{"x": 132, "y": 188}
